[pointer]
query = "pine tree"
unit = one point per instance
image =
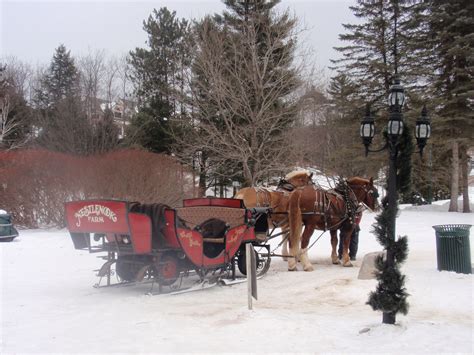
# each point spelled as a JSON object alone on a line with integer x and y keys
{"x": 376, "y": 54}
{"x": 369, "y": 59}
{"x": 377, "y": 51}
{"x": 61, "y": 81}
{"x": 346, "y": 110}
{"x": 61, "y": 121}
{"x": 450, "y": 26}
{"x": 159, "y": 76}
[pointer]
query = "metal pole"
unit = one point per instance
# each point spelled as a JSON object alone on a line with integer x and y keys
{"x": 389, "y": 318}
{"x": 248, "y": 261}
{"x": 430, "y": 166}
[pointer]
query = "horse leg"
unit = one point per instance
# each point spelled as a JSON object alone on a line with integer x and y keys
{"x": 293, "y": 254}
{"x": 334, "y": 257}
{"x": 284, "y": 238}
{"x": 295, "y": 223}
{"x": 347, "y": 233}
{"x": 308, "y": 231}
{"x": 284, "y": 248}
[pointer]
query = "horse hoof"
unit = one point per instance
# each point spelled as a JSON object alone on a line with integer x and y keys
{"x": 347, "y": 264}
{"x": 309, "y": 268}
{"x": 293, "y": 269}
{"x": 336, "y": 262}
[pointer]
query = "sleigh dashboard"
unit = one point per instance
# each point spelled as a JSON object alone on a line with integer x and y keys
{"x": 120, "y": 229}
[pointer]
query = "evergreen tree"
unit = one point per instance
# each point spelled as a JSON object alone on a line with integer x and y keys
{"x": 60, "y": 81}
{"x": 346, "y": 110}
{"x": 62, "y": 124}
{"x": 450, "y": 27}
{"x": 376, "y": 54}
{"x": 159, "y": 76}
{"x": 377, "y": 50}
{"x": 371, "y": 55}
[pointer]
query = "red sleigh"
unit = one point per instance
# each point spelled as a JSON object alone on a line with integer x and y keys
{"x": 205, "y": 236}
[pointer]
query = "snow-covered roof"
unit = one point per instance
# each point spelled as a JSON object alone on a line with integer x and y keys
{"x": 3, "y": 212}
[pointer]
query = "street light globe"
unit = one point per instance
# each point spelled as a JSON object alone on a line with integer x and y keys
{"x": 423, "y": 126}
{"x": 367, "y": 126}
{"x": 395, "y": 124}
{"x": 397, "y": 94}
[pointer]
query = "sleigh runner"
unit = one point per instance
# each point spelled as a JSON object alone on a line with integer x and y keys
{"x": 206, "y": 236}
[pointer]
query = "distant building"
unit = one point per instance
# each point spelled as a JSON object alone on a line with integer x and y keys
{"x": 122, "y": 110}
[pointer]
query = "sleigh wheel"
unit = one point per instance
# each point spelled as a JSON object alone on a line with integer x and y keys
{"x": 167, "y": 269}
{"x": 262, "y": 258}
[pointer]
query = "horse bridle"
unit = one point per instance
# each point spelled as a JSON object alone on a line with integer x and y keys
{"x": 372, "y": 190}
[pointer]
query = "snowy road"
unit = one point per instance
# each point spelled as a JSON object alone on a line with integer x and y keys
{"x": 48, "y": 303}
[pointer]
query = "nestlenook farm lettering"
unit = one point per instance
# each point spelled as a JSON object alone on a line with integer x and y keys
{"x": 95, "y": 214}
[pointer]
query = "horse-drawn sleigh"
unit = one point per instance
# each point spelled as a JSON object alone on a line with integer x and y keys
{"x": 207, "y": 236}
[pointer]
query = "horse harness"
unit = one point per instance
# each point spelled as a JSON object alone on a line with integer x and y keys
{"x": 264, "y": 200}
{"x": 283, "y": 186}
{"x": 324, "y": 200}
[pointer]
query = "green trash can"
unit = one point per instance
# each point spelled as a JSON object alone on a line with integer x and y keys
{"x": 453, "y": 251}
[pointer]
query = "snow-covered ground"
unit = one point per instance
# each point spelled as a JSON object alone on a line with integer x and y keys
{"x": 48, "y": 304}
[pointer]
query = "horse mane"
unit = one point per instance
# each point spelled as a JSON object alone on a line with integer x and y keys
{"x": 296, "y": 173}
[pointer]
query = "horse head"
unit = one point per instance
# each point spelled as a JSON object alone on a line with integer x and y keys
{"x": 365, "y": 191}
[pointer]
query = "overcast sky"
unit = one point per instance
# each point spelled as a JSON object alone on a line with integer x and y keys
{"x": 31, "y": 30}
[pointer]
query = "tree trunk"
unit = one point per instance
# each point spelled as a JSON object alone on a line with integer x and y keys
{"x": 202, "y": 176}
{"x": 453, "y": 205}
{"x": 465, "y": 184}
{"x": 221, "y": 188}
{"x": 247, "y": 176}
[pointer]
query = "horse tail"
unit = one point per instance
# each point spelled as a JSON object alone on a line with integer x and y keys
{"x": 295, "y": 223}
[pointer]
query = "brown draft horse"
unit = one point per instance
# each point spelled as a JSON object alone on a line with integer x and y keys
{"x": 331, "y": 210}
{"x": 277, "y": 199}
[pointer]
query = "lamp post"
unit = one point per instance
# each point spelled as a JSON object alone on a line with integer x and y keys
{"x": 395, "y": 127}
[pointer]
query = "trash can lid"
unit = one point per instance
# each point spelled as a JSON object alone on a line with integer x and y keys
{"x": 451, "y": 227}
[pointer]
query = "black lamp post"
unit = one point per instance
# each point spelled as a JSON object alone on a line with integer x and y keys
{"x": 422, "y": 129}
{"x": 395, "y": 127}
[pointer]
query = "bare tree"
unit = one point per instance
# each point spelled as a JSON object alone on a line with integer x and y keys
{"x": 243, "y": 92}
{"x": 125, "y": 85}
{"x": 20, "y": 76}
{"x": 92, "y": 71}
{"x": 6, "y": 125}
{"x": 13, "y": 111}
